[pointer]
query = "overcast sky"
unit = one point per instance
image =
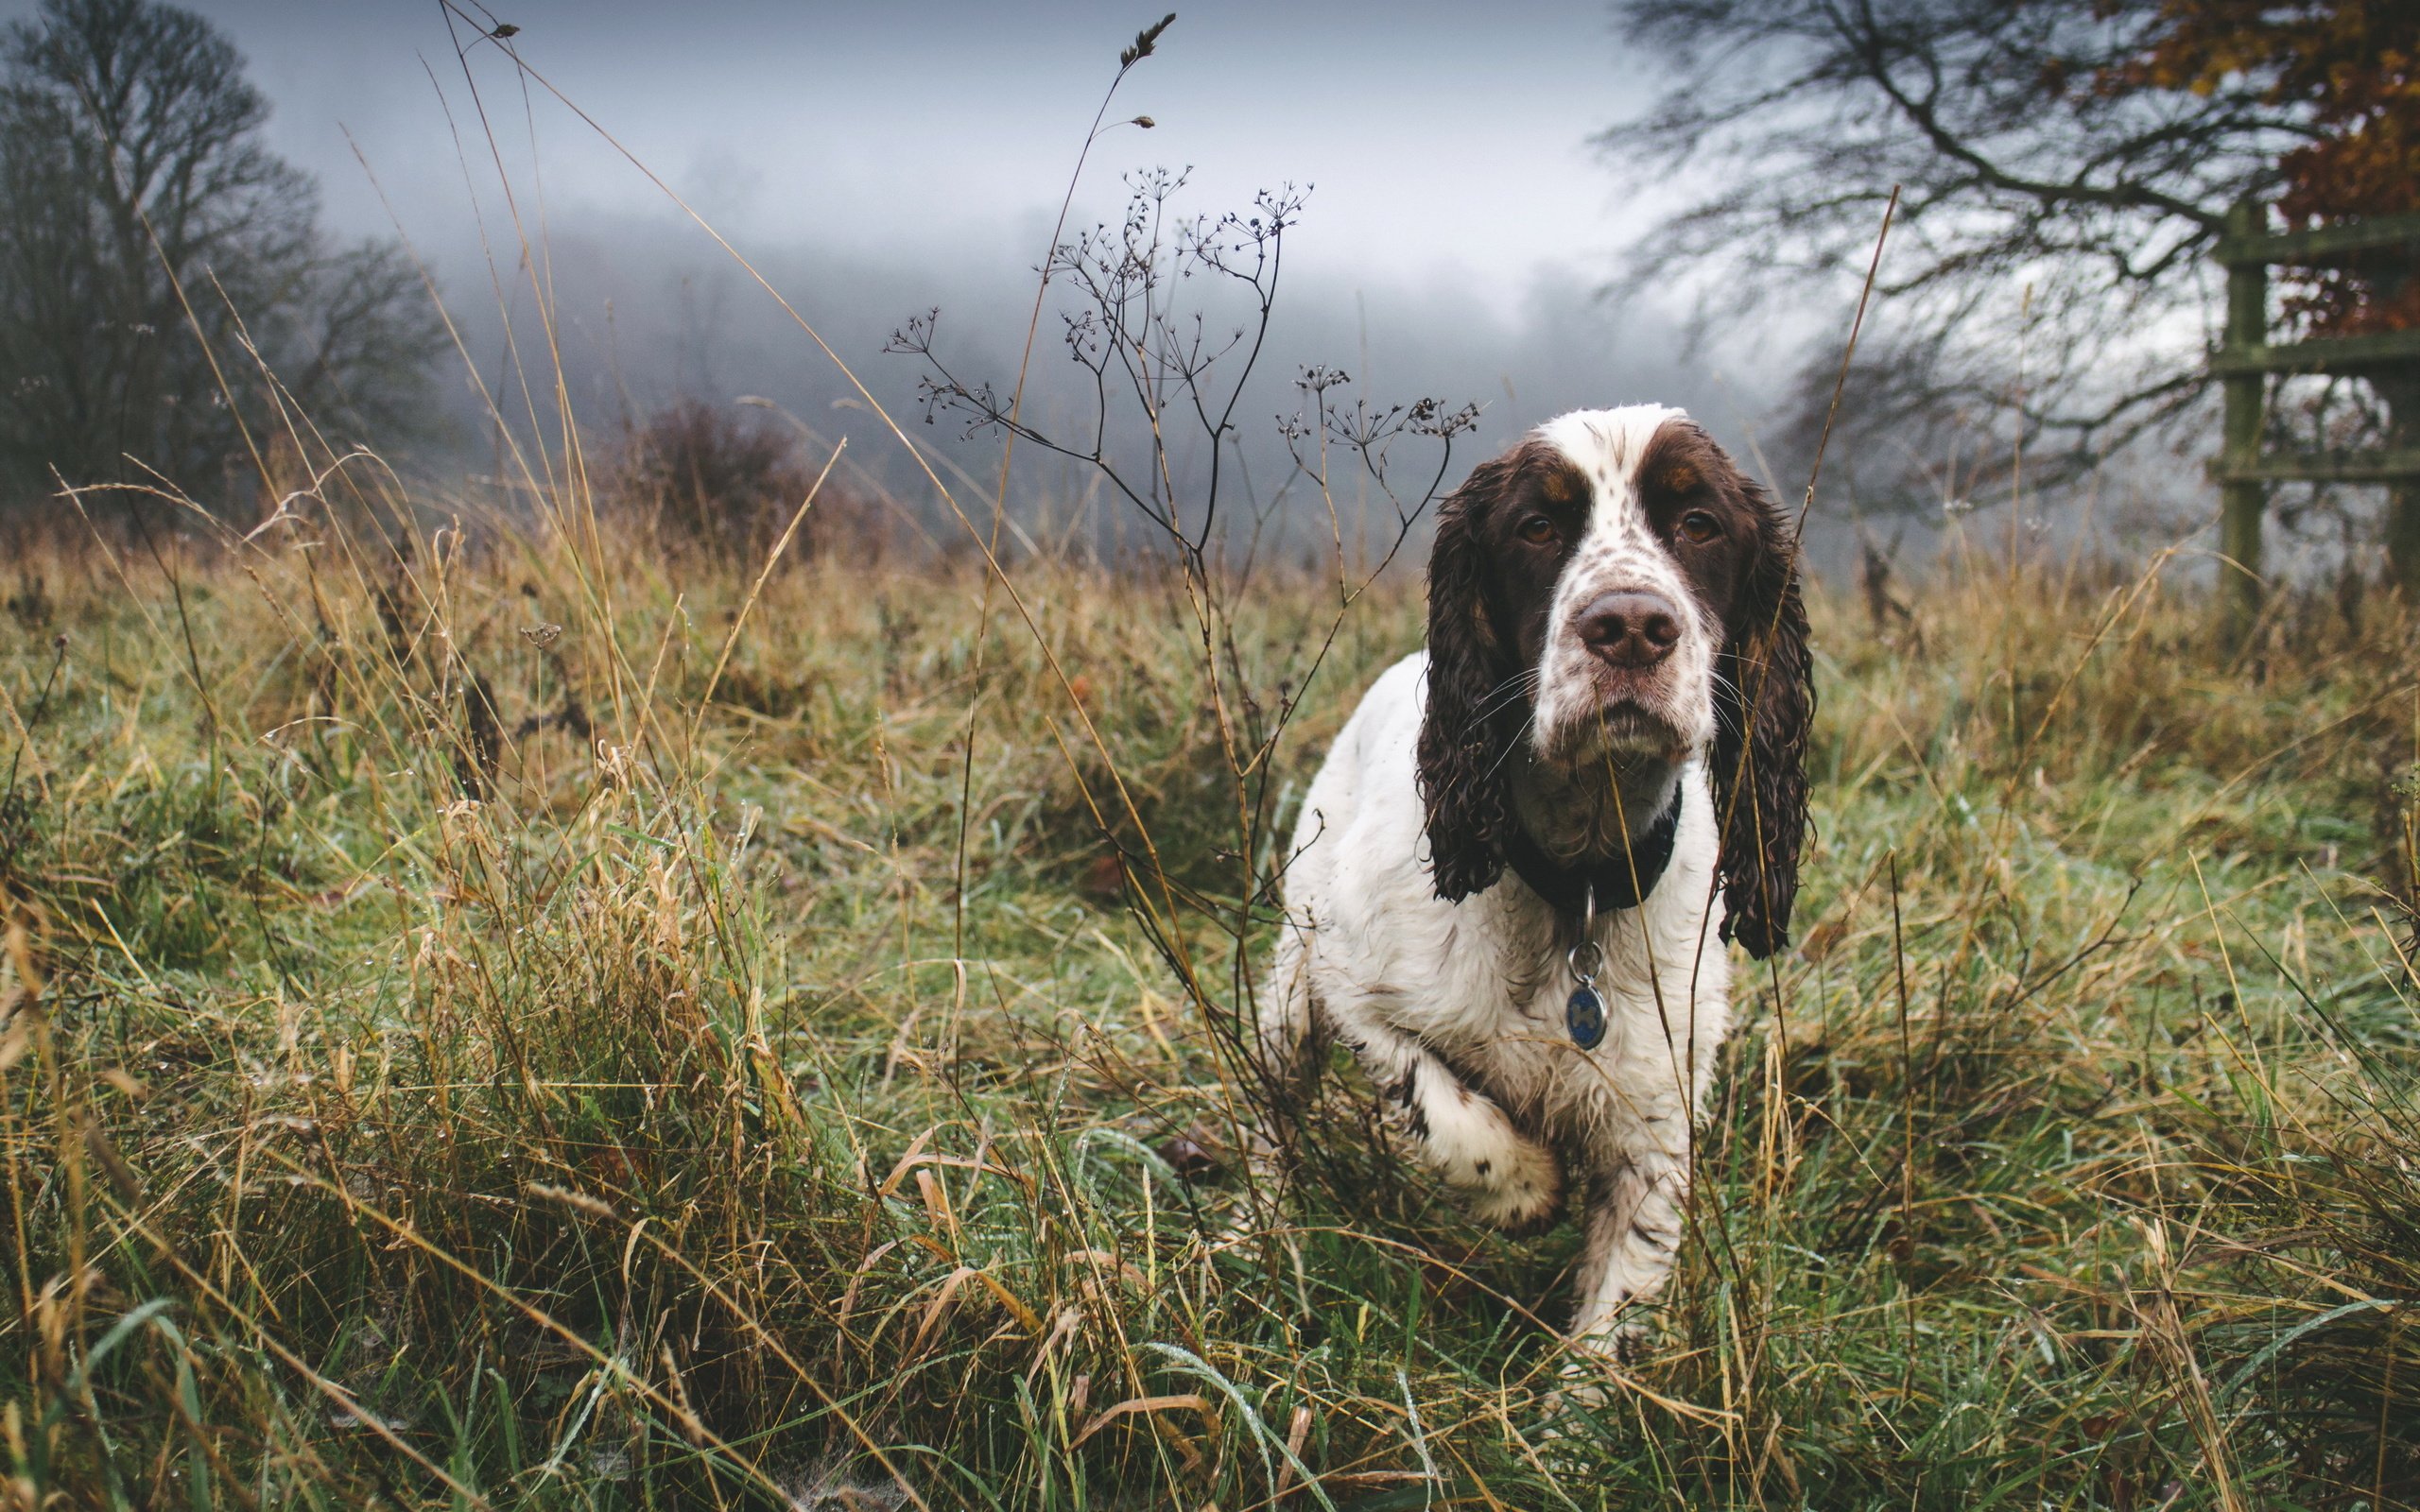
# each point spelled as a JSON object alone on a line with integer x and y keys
{"x": 877, "y": 159}
{"x": 1447, "y": 142}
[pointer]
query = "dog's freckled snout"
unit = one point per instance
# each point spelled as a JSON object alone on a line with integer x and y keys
{"x": 1630, "y": 628}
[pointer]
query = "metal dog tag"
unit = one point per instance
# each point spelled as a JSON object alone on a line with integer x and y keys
{"x": 1584, "y": 1016}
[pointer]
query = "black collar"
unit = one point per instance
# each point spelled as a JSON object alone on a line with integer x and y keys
{"x": 1620, "y": 879}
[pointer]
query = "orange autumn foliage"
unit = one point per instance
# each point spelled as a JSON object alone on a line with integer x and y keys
{"x": 2355, "y": 66}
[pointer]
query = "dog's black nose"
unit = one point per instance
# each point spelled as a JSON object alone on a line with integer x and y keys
{"x": 1630, "y": 629}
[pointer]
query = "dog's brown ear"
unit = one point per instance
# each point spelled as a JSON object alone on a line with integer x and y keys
{"x": 1463, "y": 743}
{"x": 1765, "y": 696}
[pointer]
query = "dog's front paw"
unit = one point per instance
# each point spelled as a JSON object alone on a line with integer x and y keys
{"x": 1597, "y": 1360}
{"x": 1520, "y": 1189}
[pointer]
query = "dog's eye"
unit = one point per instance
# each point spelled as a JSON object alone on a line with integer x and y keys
{"x": 1537, "y": 530}
{"x": 1698, "y": 527}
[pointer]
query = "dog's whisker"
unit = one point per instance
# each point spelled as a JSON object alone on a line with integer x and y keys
{"x": 1504, "y": 698}
{"x": 1529, "y": 727}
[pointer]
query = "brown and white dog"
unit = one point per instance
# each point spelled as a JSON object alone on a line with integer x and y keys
{"x": 1603, "y": 746}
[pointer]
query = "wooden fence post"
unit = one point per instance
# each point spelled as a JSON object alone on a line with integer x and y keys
{"x": 2403, "y": 495}
{"x": 2399, "y": 388}
{"x": 2390, "y": 360}
{"x": 2243, "y": 497}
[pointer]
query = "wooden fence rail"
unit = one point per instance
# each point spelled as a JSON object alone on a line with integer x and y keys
{"x": 2246, "y": 359}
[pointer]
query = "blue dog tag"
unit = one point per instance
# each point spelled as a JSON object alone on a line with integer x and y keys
{"x": 1584, "y": 1016}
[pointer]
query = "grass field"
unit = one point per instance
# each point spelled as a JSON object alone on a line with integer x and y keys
{"x": 503, "y": 1028}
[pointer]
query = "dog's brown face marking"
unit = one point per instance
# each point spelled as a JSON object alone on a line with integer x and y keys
{"x": 1699, "y": 505}
{"x": 1527, "y": 520}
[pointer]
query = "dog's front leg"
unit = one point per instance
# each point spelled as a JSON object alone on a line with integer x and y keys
{"x": 1293, "y": 1036}
{"x": 1630, "y": 1232}
{"x": 1510, "y": 1179}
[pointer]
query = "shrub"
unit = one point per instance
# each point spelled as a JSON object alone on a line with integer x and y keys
{"x": 725, "y": 486}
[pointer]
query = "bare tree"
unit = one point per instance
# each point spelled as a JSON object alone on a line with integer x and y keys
{"x": 2048, "y": 260}
{"x": 168, "y": 299}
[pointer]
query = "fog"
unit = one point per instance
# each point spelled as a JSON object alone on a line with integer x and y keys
{"x": 874, "y": 162}
{"x": 648, "y": 309}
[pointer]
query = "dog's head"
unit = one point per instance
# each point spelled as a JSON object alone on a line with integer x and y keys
{"x": 1614, "y": 595}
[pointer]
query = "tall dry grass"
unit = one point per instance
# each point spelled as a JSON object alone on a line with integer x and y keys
{"x": 483, "y": 1027}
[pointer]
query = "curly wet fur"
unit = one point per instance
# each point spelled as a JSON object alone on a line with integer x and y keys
{"x": 1759, "y": 762}
{"x": 1464, "y": 739}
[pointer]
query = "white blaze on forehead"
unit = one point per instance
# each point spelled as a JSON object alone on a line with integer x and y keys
{"x": 1617, "y": 548}
{"x": 1607, "y": 444}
